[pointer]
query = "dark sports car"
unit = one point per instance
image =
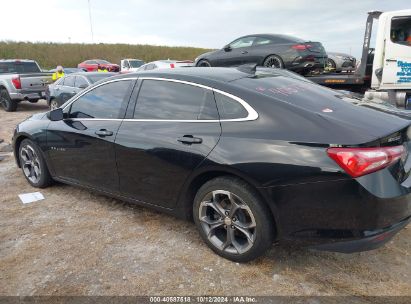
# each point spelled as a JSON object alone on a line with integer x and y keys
{"x": 268, "y": 50}
{"x": 252, "y": 156}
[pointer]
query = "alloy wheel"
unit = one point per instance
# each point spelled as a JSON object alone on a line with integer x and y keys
{"x": 30, "y": 163}
{"x": 227, "y": 222}
{"x": 204, "y": 63}
{"x": 273, "y": 62}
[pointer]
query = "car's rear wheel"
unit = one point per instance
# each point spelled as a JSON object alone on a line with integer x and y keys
{"x": 204, "y": 63}
{"x": 273, "y": 61}
{"x": 232, "y": 219}
{"x": 8, "y": 104}
{"x": 53, "y": 104}
{"x": 33, "y": 165}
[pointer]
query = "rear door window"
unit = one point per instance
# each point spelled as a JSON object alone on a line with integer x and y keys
{"x": 166, "y": 100}
{"x": 69, "y": 81}
{"x": 80, "y": 81}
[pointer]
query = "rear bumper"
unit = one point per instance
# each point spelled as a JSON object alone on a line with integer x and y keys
{"x": 341, "y": 215}
{"x": 27, "y": 95}
{"x": 371, "y": 240}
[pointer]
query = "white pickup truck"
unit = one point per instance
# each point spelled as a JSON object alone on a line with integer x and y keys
{"x": 21, "y": 80}
{"x": 384, "y": 72}
{"x": 130, "y": 65}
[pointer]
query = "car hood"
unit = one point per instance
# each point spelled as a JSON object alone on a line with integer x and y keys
{"x": 208, "y": 54}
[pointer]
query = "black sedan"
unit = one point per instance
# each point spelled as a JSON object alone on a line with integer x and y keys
{"x": 252, "y": 156}
{"x": 268, "y": 50}
{"x": 66, "y": 87}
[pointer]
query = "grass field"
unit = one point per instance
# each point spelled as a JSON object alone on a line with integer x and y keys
{"x": 49, "y": 55}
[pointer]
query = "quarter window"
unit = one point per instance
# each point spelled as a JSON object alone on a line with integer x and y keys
{"x": 105, "y": 101}
{"x": 229, "y": 108}
{"x": 166, "y": 100}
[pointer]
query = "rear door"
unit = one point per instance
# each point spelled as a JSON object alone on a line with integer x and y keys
{"x": 81, "y": 147}
{"x": 397, "y": 59}
{"x": 173, "y": 128}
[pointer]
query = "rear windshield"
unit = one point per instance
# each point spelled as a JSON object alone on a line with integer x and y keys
{"x": 18, "y": 67}
{"x": 97, "y": 77}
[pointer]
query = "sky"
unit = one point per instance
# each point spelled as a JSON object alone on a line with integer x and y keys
{"x": 339, "y": 25}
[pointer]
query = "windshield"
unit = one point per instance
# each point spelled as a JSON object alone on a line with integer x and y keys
{"x": 97, "y": 77}
{"x": 136, "y": 63}
{"x": 18, "y": 67}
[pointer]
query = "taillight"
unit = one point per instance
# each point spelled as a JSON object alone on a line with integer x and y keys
{"x": 16, "y": 82}
{"x": 172, "y": 65}
{"x": 301, "y": 47}
{"x": 360, "y": 161}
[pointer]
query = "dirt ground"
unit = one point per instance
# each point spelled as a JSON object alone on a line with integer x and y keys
{"x": 78, "y": 243}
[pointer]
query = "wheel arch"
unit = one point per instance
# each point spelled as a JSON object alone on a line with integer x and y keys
{"x": 199, "y": 178}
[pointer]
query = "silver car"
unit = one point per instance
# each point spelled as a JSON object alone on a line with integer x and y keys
{"x": 165, "y": 64}
{"x": 338, "y": 62}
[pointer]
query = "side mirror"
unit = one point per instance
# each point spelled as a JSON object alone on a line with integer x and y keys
{"x": 55, "y": 115}
{"x": 227, "y": 48}
{"x": 83, "y": 86}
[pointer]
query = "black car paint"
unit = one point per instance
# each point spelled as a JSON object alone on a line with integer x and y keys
{"x": 294, "y": 60}
{"x": 312, "y": 200}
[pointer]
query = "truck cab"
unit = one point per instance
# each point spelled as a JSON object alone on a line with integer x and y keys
{"x": 392, "y": 60}
{"x": 130, "y": 65}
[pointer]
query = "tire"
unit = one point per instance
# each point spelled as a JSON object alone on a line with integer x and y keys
{"x": 53, "y": 104}
{"x": 249, "y": 225}
{"x": 331, "y": 64}
{"x": 33, "y": 165}
{"x": 8, "y": 104}
{"x": 204, "y": 63}
{"x": 273, "y": 61}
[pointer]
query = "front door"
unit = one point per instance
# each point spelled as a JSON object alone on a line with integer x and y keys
{"x": 174, "y": 127}
{"x": 397, "y": 59}
{"x": 81, "y": 147}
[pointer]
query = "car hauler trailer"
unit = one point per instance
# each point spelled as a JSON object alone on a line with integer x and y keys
{"x": 384, "y": 72}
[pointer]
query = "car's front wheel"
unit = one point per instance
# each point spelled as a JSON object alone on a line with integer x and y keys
{"x": 232, "y": 219}
{"x": 33, "y": 165}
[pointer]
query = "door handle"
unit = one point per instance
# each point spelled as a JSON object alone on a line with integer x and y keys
{"x": 190, "y": 139}
{"x": 391, "y": 60}
{"x": 244, "y": 52}
{"x": 103, "y": 133}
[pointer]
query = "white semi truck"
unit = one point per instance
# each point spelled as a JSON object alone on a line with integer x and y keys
{"x": 385, "y": 71}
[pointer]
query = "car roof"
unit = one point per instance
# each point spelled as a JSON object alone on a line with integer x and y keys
{"x": 17, "y": 60}
{"x": 217, "y": 74}
{"x": 86, "y": 74}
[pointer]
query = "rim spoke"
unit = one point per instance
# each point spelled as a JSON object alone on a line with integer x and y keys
{"x": 229, "y": 239}
{"x": 247, "y": 233}
{"x": 234, "y": 207}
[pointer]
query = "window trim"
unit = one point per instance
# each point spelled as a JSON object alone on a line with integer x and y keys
{"x": 252, "y": 114}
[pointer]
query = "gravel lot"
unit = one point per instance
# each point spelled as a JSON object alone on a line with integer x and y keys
{"x": 78, "y": 243}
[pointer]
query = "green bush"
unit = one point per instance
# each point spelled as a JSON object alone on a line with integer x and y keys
{"x": 49, "y": 55}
